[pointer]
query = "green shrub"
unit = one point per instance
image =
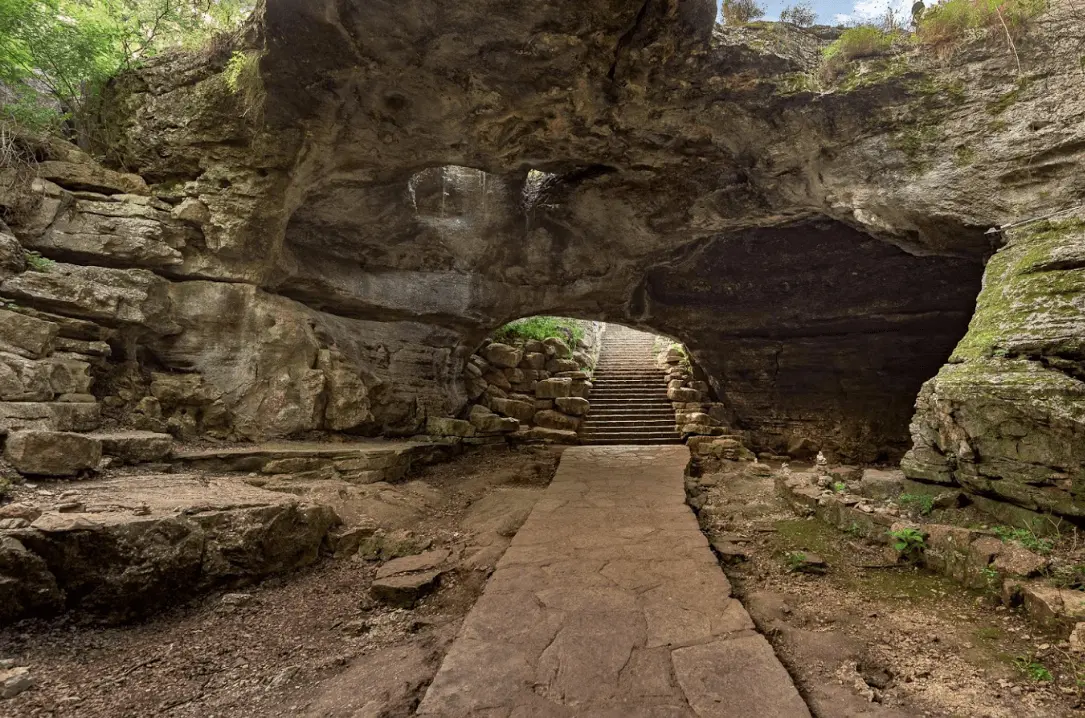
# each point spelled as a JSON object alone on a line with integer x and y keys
{"x": 801, "y": 14}
{"x": 540, "y": 328}
{"x": 242, "y": 76}
{"x": 910, "y": 542}
{"x": 951, "y": 21}
{"x": 858, "y": 42}
{"x": 740, "y": 12}
{"x": 38, "y": 263}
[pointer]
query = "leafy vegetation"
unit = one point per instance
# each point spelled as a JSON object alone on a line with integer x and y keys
{"x": 56, "y": 54}
{"x": 840, "y": 487}
{"x": 1033, "y": 668}
{"x": 1025, "y": 537}
{"x": 922, "y": 504}
{"x": 38, "y": 263}
{"x": 946, "y": 23}
{"x": 860, "y": 41}
{"x": 242, "y": 76}
{"x": 740, "y": 12}
{"x": 910, "y": 542}
{"x": 801, "y": 14}
{"x": 540, "y": 328}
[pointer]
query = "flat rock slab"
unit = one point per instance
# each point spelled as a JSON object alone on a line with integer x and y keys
{"x": 371, "y": 460}
{"x": 135, "y": 544}
{"x": 410, "y": 564}
{"x": 609, "y": 602}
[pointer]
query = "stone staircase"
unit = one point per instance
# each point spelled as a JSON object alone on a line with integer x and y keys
{"x": 629, "y": 403}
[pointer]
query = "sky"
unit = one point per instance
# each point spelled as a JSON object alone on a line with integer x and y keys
{"x": 841, "y": 12}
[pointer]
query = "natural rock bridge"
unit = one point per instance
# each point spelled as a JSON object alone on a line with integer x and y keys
{"x": 317, "y": 249}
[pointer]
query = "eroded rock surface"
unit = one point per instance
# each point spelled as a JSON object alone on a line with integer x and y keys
{"x": 330, "y": 259}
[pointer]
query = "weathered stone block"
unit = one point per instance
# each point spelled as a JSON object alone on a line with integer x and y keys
{"x": 556, "y": 420}
{"x": 502, "y": 355}
{"x": 135, "y": 447}
{"x": 554, "y": 388}
{"x": 442, "y": 426}
{"x": 25, "y": 335}
{"x": 555, "y": 347}
{"x": 52, "y": 453}
{"x": 520, "y": 410}
{"x": 573, "y": 405}
{"x": 534, "y": 360}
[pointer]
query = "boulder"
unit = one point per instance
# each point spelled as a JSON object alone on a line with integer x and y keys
{"x": 573, "y": 405}
{"x": 580, "y": 388}
{"x": 557, "y": 366}
{"x": 442, "y": 426}
{"x": 23, "y": 379}
{"x": 25, "y": 335}
{"x": 683, "y": 394}
{"x": 541, "y": 433}
{"x": 497, "y": 378}
{"x": 12, "y": 256}
{"x": 882, "y": 483}
{"x": 555, "y": 347}
{"x": 135, "y": 447}
{"x": 502, "y": 355}
{"x": 426, "y": 561}
{"x": 121, "y": 297}
{"x": 534, "y": 360}
{"x": 519, "y": 410}
{"x": 14, "y": 681}
{"x": 489, "y": 423}
{"x": 556, "y": 420}
{"x": 49, "y": 416}
{"x": 405, "y": 590}
{"x": 554, "y": 388}
{"x": 26, "y": 584}
{"x": 52, "y": 453}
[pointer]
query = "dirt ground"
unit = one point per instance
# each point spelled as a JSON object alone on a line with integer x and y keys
{"x": 868, "y": 639}
{"x": 311, "y": 644}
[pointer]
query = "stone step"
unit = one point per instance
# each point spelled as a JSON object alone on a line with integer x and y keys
{"x": 630, "y": 437}
{"x": 628, "y": 425}
{"x": 134, "y": 447}
{"x": 650, "y": 440}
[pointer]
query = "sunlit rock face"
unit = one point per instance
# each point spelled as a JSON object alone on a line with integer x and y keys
{"x": 420, "y": 173}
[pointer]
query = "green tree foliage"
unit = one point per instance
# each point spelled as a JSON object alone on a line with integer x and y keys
{"x": 65, "y": 49}
{"x": 801, "y": 14}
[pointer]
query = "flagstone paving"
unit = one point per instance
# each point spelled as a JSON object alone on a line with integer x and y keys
{"x": 609, "y": 602}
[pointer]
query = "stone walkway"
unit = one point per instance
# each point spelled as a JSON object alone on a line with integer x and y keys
{"x": 609, "y": 602}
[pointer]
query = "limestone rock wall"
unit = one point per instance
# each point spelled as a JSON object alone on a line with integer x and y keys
{"x": 330, "y": 258}
{"x": 1006, "y": 417}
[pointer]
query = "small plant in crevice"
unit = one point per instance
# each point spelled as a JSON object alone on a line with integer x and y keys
{"x": 38, "y": 263}
{"x": 854, "y": 530}
{"x": 795, "y": 560}
{"x": 922, "y": 504}
{"x": 1032, "y": 668}
{"x": 990, "y": 576}
{"x": 840, "y": 487}
{"x": 909, "y": 542}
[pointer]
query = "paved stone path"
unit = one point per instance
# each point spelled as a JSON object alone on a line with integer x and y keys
{"x": 609, "y": 602}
